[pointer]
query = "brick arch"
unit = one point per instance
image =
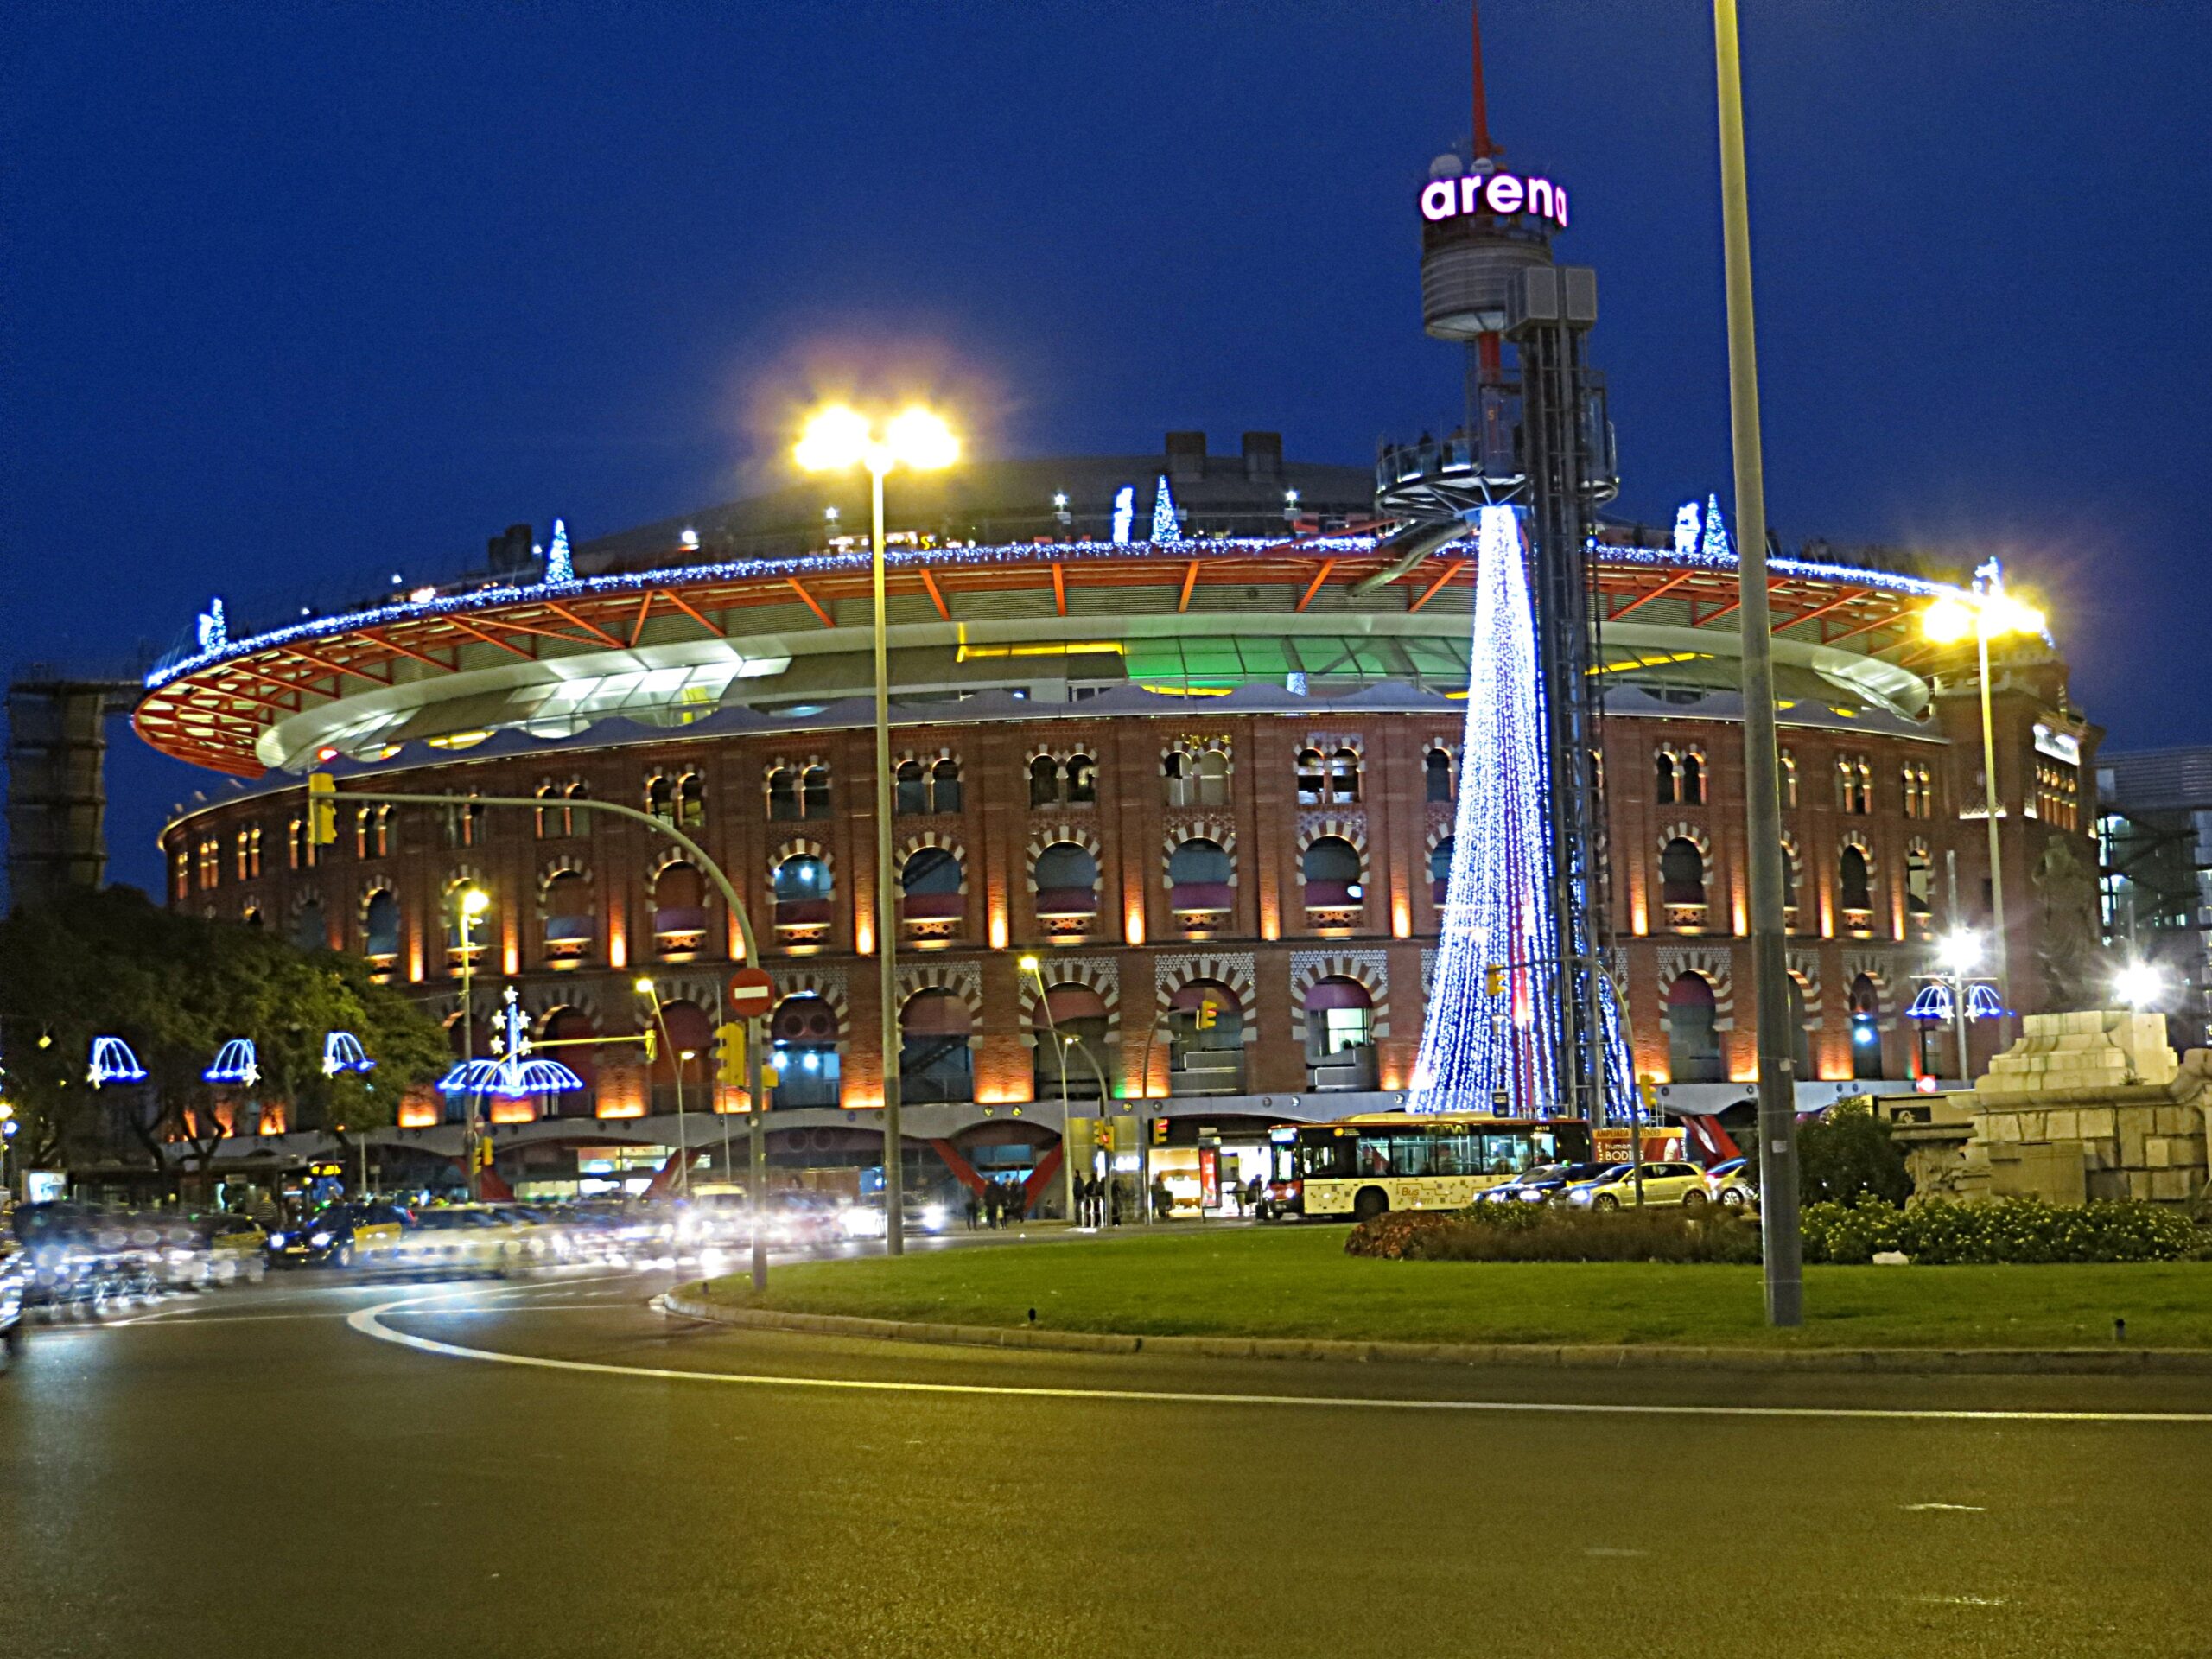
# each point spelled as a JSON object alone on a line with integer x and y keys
{"x": 800, "y": 847}
{"x": 1370, "y": 969}
{"x": 1789, "y": 851}
{"x": 541, "y": 1003}
{"x": 1099, "y": 974}
{"x": 566, "y": 864}
{"x": 371, "y": 886}
{"x": 1352, "y": 829}
{"x": 702, "y": 990}
{"x": 1442, "y": 821}
{"x": 964, "y": 979}
{"x": 1172, "y": 974}
{"x": 1080, "y": 835}
{"x": 951, "y": 843}
{"x": 460, "y": 875}
{"x": 1805, "y": 968}
{"x": 1193, "y": 743}
{"x": 799, "y": 769}
{"x": 1220, "y": 831}
{"x": 1711, "y": 965}
{"x": 1682, "y": 830}
{"x": 1062, "y": 753}
{"x": 667, "y": 855}
{"x": 828, "y": 984}
{"x": 1857, "y": 838}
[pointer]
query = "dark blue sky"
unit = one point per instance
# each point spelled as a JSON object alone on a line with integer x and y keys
{"x": 297, "y": 291}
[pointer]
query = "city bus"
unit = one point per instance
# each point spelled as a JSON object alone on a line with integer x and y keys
{"x": 1398, "y": 1161}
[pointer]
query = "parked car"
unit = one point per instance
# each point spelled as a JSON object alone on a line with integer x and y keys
{"x": 1670, "y": 1184}
{"x": 1735, "y": 1183}
{"x": 15, "y": 1291}
{"x": 1540, "y": 1184}
{"x": 343, "y": 1235}
{"x": 235, "y": 1248}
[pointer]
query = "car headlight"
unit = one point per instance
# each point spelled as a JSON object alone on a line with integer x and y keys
{"x": 275, "y": 1241}
{"x": 933, "y": 1215}
{"x": 318, "y": 1240}
{"x": 1578, "y": 1197}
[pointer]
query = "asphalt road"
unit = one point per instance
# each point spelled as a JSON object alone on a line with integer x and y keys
{"x": 276, "y": 1472}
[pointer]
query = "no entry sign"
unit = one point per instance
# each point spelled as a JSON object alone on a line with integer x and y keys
{"x": 752, "y": 993}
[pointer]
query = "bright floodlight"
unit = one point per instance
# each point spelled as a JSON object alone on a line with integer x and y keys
{"x": 644, "y": 988}
{"x": 1028, "y": 964}
{"x": 833, "y": 438}
{"x": 1960, "y": 950}
{"x": 475, "y": 901}
{"x": 919, "y": 438}
{"x": 2139, "y": 984}
{"x": 1948, "y": 620}
{"x": 2004, "y": 614}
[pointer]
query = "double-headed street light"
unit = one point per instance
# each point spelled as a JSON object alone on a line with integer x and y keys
{"x": 835, "y": 439}
{"x": 1987, "y": 611}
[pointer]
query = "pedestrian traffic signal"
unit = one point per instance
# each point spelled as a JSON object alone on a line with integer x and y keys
{"x": 729, "y": 1054}
{"x": 1494, "y": 980}
{"x": 323, "y": 808}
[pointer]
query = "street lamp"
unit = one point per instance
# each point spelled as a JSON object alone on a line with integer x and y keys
{"x": 469, "y": 904}
{"x": 1987, "y": 611}
{"x": 650, "y": 994}
{"x": 834, "y": 439}
{"x": 2139, "y": 984}
{"x": 1035, "y": 969}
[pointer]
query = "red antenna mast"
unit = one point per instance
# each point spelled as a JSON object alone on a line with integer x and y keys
{"x": 1484, "y": 148}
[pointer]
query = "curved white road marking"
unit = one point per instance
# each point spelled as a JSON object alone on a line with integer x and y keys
{"x": 369, "y": 1321}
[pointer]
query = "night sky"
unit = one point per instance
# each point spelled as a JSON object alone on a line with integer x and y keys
{"x": 290, "y": 293}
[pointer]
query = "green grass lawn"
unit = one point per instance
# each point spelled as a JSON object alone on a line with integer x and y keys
{"x": 1297, "y": 1282}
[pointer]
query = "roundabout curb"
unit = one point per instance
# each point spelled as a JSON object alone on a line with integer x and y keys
{"x": 686, "y": 1302}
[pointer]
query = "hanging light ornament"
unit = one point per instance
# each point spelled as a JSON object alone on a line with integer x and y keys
{"x": 113, "y": 1062}
{"x": 236, "y": 1063}
{"x": 511, "y": 1075}
{"x": 342, "y": 1051}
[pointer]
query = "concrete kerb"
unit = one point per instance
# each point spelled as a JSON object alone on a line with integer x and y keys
{"x": 687, "y": 1302}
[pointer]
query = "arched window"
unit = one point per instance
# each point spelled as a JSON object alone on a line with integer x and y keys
{"x": 1070, "y": 1029}
{"x": 566, "y": 1024}
{"x": 1682, "y": 873}
{"x": 1919, "y": 884}
{"x": 1343, "y": 777}
{"x": 1801, "y": 1036}
{"x": 1693, "y": 1040}
{"x": 1210, "y": 778}
{"x": 1865, "y": 1029}
{"x": 1436, "y": 775}
{"x": 1205, "y": 1023}
{"x": 660, "y": 798}
{"x": 1331, "y": 867}
{"x": 814, "y": 792}
{"x": 945, "y": 786}
{"x": 783, "y": 793}
{"x": 935, "y": 1065}
{"x": 1044, "y": 781}
{"x": 1853, "y": 890}
{"x": 803, "y": 892}
{"x": 1339, "y": 1035}
{"x": 380, "y": 927}
{"x": 1082, "y": 781}
{"x": 546, "y": 820}
{"x": 1199, "y": 878}
{"x": 570, "y": 925}
{"x": 692, "y": 800}
{"x": 686, "y": 1050}
{"x": 1067, "y": 882}
{"x": 1693, "y": 779}
{"x": 929, "y": 884}
{"x": 1175, "y": 768}
{"x": 679, "y": 909}
{"x": 1789, "y": 780}
{"x": 1663, "y": 778}
{"x": 1439, "y": 869}
{"x": 802, "y": 1036}
{"x": 309, "y": 932}
{"x": 1789, "y": 880}
{"x": 1313, "y": 778}
{"x": 913, "y": 794}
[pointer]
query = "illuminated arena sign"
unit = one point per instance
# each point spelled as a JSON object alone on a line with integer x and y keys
{"x": 1503, "y": 194}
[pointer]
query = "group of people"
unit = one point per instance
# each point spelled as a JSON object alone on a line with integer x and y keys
{"x": 1001, "y": 1201}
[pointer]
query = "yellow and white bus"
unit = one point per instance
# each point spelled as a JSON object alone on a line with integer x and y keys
{"x": 1398, "y": 1161}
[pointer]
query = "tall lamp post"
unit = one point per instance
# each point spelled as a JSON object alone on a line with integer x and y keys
{"x": 1987, "y": 611}
{"x": 469, "y": 904}
{"x": 835, "y": 439}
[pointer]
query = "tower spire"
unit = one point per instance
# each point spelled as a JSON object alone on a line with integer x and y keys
{"x": 1482, "y": 148}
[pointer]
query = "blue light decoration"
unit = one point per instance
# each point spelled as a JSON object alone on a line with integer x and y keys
{"x": 212, "y": 632}
{"x": 1479, "y": 1053}
{"x": 1167, "y": 526}
{"x": 341, "y": 1053}
{"x": 1713, "y": 546}
{"x": 512, "y": 1075}
{"x": 1125, "y": 509}
{"x": 1690, "y": 523}
{"x": 113, "y": 1062}
{"x": 1935, "y": 1001}
{"x": 1982, "y": 1003}
{"x": 560, "y": 564}
{"x": 235, "y": 1062}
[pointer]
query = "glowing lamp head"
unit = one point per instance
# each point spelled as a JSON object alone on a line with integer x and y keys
{"x": 919, "y": 438}
{"x": 2005, "y": 615}
{"x": 2139, "y": 984}
{"x": 1947, "y": 621}
{"x": 475, "y": 901}
{"x": 1959, "y": 951}
{"x": 832, "y": 439}
{"x": 1028, "y": 964}
{"x": 644, "y": 988}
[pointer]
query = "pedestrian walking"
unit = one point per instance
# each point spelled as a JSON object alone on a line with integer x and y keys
{"x": 975, "y": 1209}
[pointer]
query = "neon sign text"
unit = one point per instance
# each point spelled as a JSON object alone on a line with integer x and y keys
{"x": 1503, "y": 193}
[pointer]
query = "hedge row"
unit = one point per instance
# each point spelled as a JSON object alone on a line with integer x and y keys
{"x": 1940, "y": 1230}
{"x": 1529, "y": 1232}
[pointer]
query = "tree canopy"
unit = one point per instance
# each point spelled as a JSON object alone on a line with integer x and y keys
{"x": 177, "y": 988}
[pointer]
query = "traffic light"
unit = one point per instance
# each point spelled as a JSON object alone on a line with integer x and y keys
{"x": 1160, "y": 1130}
{"x": 484, "y": 1150}
{"x": 1494, "y": 980}
{"x": 323, "y": 808}
{"x": 729, "y": 1054}
{"x": 1209, "y": 1015}
{"x": 653, "y": 1045}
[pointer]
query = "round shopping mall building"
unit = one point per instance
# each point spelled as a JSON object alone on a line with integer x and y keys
{"x": 1191, "y": 745}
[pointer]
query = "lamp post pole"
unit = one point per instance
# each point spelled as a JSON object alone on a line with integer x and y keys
{"x": 887, "y": 903}
{"x": 1996, "y": 855}
{"x": 1035, "y": 969}
{"x": 1785, "y": 1289}
{"x": 464, "y": 912}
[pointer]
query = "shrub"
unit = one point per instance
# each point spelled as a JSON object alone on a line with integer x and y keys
{"x": 1941, "y": 1231}
{"x": 1530, "y": 1233}
{"x": 1845, "y": 1154}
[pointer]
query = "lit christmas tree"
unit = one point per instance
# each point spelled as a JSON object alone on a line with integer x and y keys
{"x": 1166, "y": 526}
{"x": 1481, "y": 1052}
{"x": 559, "y": 565}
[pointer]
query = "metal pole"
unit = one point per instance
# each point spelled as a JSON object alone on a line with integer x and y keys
{"x": 1783, "y": 1249}
{"x": 469, "y": 1098}
{"x": 1958, "y": 981}
{"x": 757, "y": 1183}
{"x": 887, "y": 905}
{"x": 1996, "y": 869}
{"x": 1059, "y": 1054}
